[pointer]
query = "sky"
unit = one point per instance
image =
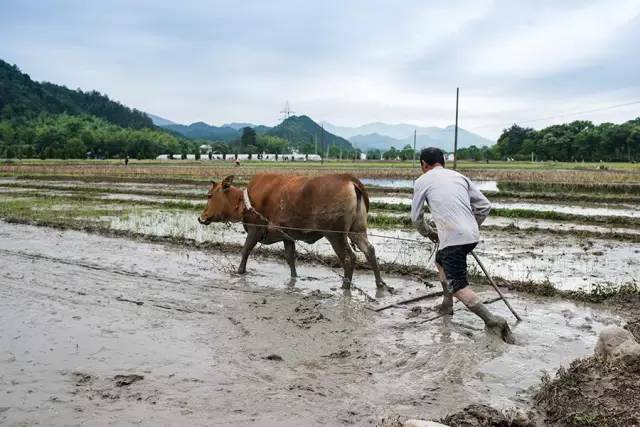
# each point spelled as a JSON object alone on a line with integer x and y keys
{"x": 345, "y": 62}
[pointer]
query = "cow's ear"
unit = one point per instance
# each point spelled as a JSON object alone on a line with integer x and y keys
{"x": 227, "y": 182}
{"x": 213, "y": 183}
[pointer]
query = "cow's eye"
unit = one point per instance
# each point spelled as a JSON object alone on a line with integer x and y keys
{"x": 208, "y": 196}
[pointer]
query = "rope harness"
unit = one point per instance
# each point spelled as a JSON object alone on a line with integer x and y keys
{"x": 248, "y": 208}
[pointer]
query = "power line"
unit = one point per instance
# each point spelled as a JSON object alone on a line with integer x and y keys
{"x": 560, "y": 115}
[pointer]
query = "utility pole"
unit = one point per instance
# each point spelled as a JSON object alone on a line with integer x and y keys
{"x": 414, "y": 148}
{"x": 322, "y": 145}
{"x": 455, "y": 137}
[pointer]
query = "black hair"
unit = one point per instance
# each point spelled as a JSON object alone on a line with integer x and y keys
{"x": 431, "y": 156}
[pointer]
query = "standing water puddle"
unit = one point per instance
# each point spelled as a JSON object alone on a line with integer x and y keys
{"x": 408, "y": 183}
{"x": 616, "y": 209}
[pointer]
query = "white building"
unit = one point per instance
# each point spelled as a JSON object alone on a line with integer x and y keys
{"x": 296, "y": 157}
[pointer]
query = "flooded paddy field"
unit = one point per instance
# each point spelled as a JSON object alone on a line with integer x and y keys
{"x": 120, "y": 306}
{"x": 572, "y": 253}
{"x": 125, "y": 331}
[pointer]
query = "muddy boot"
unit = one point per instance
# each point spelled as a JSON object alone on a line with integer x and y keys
{"x": 446, "y": 306}
{"x": 495, "y": 324}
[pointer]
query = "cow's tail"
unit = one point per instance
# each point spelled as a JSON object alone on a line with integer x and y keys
{"x": 361, "y": 198}
{"x": 361, "y": 194}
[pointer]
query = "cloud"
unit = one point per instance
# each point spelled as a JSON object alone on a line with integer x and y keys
{"x": 344, "y": 62}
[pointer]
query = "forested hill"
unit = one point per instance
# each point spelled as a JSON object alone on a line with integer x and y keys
{"x": 301, "y": 131}
{"x": 23, "y": 98}
{"x": 201, "y": 130}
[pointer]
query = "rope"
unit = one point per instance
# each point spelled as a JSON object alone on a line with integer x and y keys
{"x": 269, "y": 224}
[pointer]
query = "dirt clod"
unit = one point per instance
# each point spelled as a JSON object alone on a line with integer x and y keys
{"x": 125, "y": 380}
{"x": 485, "y": 416}
{"x": 274, "y": 357}
{"x": 81, "y": 378}
{"x": 339, "y": 354}
{"x": 592, "y": 392}
{"x": 414, "y": 312}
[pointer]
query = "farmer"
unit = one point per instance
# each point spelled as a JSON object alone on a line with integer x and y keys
{"x": 457, "y": 208}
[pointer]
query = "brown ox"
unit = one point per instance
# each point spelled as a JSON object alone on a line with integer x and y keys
{"x": 284, "y": 208}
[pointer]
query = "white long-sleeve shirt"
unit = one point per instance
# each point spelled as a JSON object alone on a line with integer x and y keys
{"x": 457, "y": 206}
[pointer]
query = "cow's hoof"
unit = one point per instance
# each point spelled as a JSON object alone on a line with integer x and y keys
{"x": 242, "y": 271}
{"x": 381, "y": 284}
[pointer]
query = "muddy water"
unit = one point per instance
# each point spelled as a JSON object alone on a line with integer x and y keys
{"x": 408, "y": 183}
{"x": 121, "y": 186}
{"x": 568, "y": 263}
{"x": 78, "y": 310}
{"x": 604, "y": 209}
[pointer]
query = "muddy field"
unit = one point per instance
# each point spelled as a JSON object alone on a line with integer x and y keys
{"x": 119, "y": 308}
{"x": 83, "y": 315}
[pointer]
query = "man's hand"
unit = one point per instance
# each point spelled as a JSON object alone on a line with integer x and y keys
{"x": 427, "y": 228}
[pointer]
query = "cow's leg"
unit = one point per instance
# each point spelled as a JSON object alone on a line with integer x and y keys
{"x": 345, "y": 255}
{"x": 250, "y": 243}
{"x": 290, "y": 254}
{"x": 447, "y": 298}
{"x": 361, "y": 241}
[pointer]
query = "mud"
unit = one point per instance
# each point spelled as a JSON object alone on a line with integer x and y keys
{"x": 569, "y": 263}
{"x": 591, "y": 392}
{"x": 202, "y": 345}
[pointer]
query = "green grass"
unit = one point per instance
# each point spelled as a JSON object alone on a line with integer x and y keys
{"x": 462, "y": 165}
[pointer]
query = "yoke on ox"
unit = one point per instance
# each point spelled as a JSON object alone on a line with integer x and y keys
{"x": 283, "y": 208}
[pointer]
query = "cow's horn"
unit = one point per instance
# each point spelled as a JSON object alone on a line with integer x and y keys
{"x": 227, "y": 181}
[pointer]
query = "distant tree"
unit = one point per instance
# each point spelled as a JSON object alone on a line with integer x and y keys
{"x": 406, "y": 153}
{"x": 373, "y": 154}
{"x": 334, "y": 152}
{"x": 391, "y": 154}
{"x": 248, "y": 138}
{"x": 308, "y": 148}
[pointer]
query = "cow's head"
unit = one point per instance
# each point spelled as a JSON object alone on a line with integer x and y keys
{"x": 225, "y": 203}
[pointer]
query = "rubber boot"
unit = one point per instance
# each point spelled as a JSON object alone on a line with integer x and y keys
{"x": 446, "y": 307}
{"x": 495, "y": 324}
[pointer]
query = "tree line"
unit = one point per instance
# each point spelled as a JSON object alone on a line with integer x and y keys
{"x": 67, "y": 136}
{"x": 580, "y": 140}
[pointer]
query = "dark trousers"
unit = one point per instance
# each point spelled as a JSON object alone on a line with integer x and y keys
{"x": 453, "y": 260}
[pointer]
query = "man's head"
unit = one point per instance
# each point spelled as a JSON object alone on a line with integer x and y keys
{"x": 430, "y": 158}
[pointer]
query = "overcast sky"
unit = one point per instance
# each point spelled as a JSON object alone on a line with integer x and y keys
{"x": 346, "y": 62}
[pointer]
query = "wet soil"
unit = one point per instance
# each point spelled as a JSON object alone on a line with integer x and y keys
{"x": 569, "y": 263}
{"x": 592, "y": 392}
{"x": 127, "y": 332}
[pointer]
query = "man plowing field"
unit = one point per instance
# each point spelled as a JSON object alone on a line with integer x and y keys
{"x": 457, "y": 208}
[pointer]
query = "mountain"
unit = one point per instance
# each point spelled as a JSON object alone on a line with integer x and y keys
{"x": 21, "y": 97}
{"x": 426, "y": 136}
{"x": 160, "y": 121}
{"x": 374, "y": 141}
{"x": 396, "y": 131}
{"x": 201, "y": 130}
{"x": 301, "y": 130}
{"x": 238, "y": 126}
